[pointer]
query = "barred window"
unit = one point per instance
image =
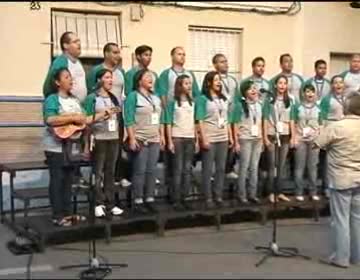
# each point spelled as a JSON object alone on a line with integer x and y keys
{"x": 205, "y": 42}
{"x": 94, "y": 30}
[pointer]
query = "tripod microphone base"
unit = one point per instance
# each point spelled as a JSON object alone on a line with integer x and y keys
{"x": 94, "y": 270}
{"x": 275, "y": 251}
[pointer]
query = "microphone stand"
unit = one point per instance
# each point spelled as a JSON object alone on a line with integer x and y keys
{"x": 94, "y": 269}
{"x": 274, "y": 250}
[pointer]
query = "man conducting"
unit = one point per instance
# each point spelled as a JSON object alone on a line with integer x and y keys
{"x": 341, "y": 140}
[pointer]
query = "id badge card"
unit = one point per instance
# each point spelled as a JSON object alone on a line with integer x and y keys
{"x": 221, "y": 122}
{"x": 306, "y": 131}
{"x": 112, "y": 125}
{"x": 280, "y": 127}
{"x": 254, "y": 130}
{"x": 154, "y": 118}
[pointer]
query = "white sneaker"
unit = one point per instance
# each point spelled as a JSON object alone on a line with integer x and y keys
{"x": 212, "y": 179}
{"x": 116, "y": 211}
{"x": 299, "y": 198}
{"x": 232, "y": 175}
{"x": 315, "y": 197}
{"x": 100, "y": 211}
{"x": 125, "y": 183}
{"x": 157, "y": 181}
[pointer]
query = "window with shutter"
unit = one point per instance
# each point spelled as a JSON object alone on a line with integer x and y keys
{"x": 205, "y": 42}
{"x": 93, "y": 29}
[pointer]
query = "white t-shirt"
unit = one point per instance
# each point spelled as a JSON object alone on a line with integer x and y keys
{"x": 79, "y": 79}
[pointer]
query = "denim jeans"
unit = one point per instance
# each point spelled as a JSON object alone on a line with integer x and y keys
{"x": 281, "y": 161}
{"x": 306, "y": 157}
{"x": 250, "y": 151}
{"x": 216, "y": 154}
{"x": 345, "y": 225}
{"x": 60, "y": 184}
{"x": 182, "y": 160}
{"x": 106, "y": 153}
{"x": 144, "y": 167}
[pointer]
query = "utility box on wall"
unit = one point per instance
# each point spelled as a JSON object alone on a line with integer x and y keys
{"x": 135, "y": 12}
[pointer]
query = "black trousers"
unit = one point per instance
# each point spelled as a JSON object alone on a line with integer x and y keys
{"x": 123, "y": 167}
{"x": 106, "y": 153}
{"x": 60, "y": 184}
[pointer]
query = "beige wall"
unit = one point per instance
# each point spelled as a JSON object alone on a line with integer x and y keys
{"x": 318, "y": 29}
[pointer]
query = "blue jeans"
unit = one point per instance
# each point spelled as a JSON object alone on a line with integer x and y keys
{"x": 250, "y": 151}
{"x": 144, "y": 168}
{"x": 345, "y": 225}
{"x": 215, "y": 155}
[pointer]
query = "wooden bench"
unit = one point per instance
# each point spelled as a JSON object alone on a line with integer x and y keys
{"x": 26, "y": 194}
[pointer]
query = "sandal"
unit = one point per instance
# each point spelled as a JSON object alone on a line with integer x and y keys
{"x": 64, "y": 222}
{"x": 74, "y": 219}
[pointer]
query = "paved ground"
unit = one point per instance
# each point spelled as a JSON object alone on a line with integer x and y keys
{"x": 199, "y": 252}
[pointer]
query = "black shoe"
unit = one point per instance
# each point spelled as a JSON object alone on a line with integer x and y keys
{"x": 140, "y": 209}
{"x": 209, "y": 204}
{"x": 151, "y": 207}
{"x": 254, "y": 200}
{"x": 178, "y": 207}
{"x": 219, "y": 202}
{"x": 187, "y": 206}
{"x": 241, "y": 200}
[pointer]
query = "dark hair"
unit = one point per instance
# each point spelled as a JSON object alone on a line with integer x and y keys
{"x": 334, "y": 77}
{"x": 56, "y": 77}
{"x": 143, "y": 48}
{"x": 209, "y": 79}
{"x": 308, "y": 87}
{"x": 256, "y": 60}
{"x": 286, "y": 94}
{"x": 245, "y": 86}
{"x": 107, "y": 47}
{"x": 353, "y": 103}
{"x": 216, "y": 57}
{"x": 138, "y": 76}
{"x": 179, "y": 89}
{"x": 65, "y": 39}
{"x": 101, "y": 74}
{"x": 173, "y": 50}
{"x": 319, "y": 62}
{"x": 283, "y": 56}
{"x": 98, "y": 77}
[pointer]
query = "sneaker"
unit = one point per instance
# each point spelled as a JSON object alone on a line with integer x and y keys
{"x": 232, "y": 175}
{"x": 283, "y": 197}
{"x": 117, "y": 183}
{"x": 315, "y": 197}
{"x": 125, "y": 183}
{"x": 242, "y": 200}
{"x": 254, "y": 200}
{"x": 299, "y": 198}
{"x": 100, "y": 211}
{"x": 212, "y": 179}
{"x": 157, "y": 181}
{"x": 219, "y": 202}
{"x": 116, "y": 211}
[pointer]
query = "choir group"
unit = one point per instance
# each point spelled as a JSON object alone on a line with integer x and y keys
{"x": 224, "y": 122}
